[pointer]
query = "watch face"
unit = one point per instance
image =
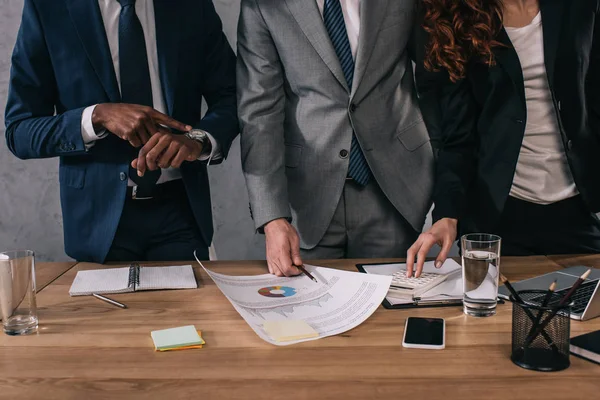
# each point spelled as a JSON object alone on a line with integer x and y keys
{"x": 197, "y": 135}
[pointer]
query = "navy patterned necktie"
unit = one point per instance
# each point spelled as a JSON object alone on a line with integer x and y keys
{"x": 136, "y": 87}
{"x": 358, "y": 168}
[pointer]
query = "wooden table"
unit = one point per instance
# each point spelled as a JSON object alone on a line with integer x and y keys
{"x": 89, "y": 350}
{"x": 46, "y": 273}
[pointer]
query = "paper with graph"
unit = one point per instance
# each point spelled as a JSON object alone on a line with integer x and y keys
{"x": 341, "y": 300}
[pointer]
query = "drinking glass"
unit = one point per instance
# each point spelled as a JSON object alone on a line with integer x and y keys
{"x": 17, "y": 292}
{"x": 481, "y": 269}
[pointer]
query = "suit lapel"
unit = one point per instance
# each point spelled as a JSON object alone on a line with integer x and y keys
{"x": 552, "y": 17}
{"x": 507, "y": 57}
{"x": 88, "y": 22}
{"x": 308, "y": 16}
{"x": 372, "y": 13}
{"x": 168, "y": 26}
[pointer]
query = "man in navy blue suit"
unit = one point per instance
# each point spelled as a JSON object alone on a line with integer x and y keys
{"x": 114, "y": 88}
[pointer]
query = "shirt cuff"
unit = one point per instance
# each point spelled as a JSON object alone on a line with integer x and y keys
{"x": 88, "y": 133}
{"x": 215, "y": 153}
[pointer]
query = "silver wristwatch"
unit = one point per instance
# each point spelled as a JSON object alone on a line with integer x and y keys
{"x": 199, "y": 136}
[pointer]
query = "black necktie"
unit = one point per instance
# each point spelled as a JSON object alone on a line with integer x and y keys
{"x": 333, "y": 16}
{"x": 136, "y": 87}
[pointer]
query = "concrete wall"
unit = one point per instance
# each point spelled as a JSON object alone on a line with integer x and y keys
{"x": 30, "y": 215}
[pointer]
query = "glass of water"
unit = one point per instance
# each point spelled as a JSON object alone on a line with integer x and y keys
{"x": 481, "y": 270}
{"x": 17, "y": 292}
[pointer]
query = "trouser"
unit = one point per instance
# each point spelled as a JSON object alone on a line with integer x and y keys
{"x": 159, "y": 229}
{"x": 364, "y": 225}
{"x": 565, "y": 227}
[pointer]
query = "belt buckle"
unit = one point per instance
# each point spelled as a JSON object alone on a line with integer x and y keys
{"x": 134, "y": 195}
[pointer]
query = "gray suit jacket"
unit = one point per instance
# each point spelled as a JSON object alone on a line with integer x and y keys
{"x": 297, "y": 113}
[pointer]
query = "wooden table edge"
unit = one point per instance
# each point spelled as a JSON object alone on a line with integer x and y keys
{"x": 42, "y": 287}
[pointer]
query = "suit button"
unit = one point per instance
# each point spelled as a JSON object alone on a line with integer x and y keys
{"x": 519, "y": 121}
{"x": 570, "y": 145}
{"x": 122, "y": 176}
{"x": 344, "y": 153}
{"x": 352, "y": 108}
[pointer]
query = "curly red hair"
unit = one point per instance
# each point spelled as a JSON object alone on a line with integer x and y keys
{"x": 459, "y": 31}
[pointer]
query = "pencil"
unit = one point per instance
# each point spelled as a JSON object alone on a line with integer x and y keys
{"x": 551, "y": 290}
{"x": 545, "y": 302}
{"x": 109, "y": 301}
{"x": 305, "y": 272}
{"x": 519, "y": 300}
{"x": 511, "y": 289}
{"x": 562, "y": 302}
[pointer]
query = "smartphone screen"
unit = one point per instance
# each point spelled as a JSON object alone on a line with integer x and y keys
{"x": 424, "y": 332}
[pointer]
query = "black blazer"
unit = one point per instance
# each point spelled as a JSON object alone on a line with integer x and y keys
{"x": 478, "y": 124}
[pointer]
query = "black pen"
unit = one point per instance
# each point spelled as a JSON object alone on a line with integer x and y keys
{"x": 305, "y": 272}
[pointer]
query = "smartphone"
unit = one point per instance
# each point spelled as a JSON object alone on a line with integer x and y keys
{"x": 424, "y": 333}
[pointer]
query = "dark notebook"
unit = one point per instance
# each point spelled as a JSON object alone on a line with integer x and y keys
{"x": 587, "y": 346}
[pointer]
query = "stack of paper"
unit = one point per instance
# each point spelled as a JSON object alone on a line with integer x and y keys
{"x": 185, "y": 337}
{"x": 284, "y": 311}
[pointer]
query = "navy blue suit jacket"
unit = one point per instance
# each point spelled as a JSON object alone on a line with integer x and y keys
{"x": 62, "y": 64}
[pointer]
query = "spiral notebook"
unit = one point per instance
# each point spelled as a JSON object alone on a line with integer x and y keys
{"x": 132, "y": 279}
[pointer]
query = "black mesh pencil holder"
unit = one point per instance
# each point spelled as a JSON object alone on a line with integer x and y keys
{"x": 548, "y": 350}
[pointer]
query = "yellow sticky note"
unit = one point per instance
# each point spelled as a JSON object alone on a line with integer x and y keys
{"x": 288, "y": 330}
{"x": 182, "y": 348}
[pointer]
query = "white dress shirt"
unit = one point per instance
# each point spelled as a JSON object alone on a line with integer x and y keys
{"x": 111, "y": 10}
{"x": 542, "y": 175}
{"x": 351, "y": 10}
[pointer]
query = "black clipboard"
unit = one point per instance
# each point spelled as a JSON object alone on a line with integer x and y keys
{"x": 387, "y": 305}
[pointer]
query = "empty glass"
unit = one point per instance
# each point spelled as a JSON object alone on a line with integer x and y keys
{"x": 17, "y": 292}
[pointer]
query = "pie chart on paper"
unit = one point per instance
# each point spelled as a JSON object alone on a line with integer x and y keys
{"x": 277, "y": 291}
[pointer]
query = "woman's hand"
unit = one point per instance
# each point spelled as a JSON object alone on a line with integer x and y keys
{"x": 442, "y": 233}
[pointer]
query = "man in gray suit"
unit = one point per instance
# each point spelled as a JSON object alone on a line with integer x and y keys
{"x": 332, "y": 136}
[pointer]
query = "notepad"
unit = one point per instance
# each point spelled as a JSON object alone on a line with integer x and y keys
{"x": 132, "y": 279}
{"x": 182, "y": 338}
{"x": 288, "y": 330}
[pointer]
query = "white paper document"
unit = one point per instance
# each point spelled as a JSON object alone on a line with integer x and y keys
{"x": 451, "y": 288}
{"x": 340, "y": 301}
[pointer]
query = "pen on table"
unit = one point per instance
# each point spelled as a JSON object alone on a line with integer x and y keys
{"x": 305, "y": 272}
{"x": 109, "y": 301}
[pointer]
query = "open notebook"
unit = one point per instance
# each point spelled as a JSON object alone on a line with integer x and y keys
{"x": 132, "y": 279}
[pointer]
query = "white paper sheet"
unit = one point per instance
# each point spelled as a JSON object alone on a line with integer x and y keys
{"x": 451, "y": 288}
{"x": 341, "y": 300}
{"x": 6, "y": 284}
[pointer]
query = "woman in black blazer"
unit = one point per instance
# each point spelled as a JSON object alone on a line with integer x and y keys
{"x": 516, "y": 89}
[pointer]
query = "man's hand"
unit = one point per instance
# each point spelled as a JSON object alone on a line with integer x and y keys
{"x": 283, "y": 248}
{"x": 165, "y": 150}
{"x": 443, "y": 233}
{"x": 132, "y": 122}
